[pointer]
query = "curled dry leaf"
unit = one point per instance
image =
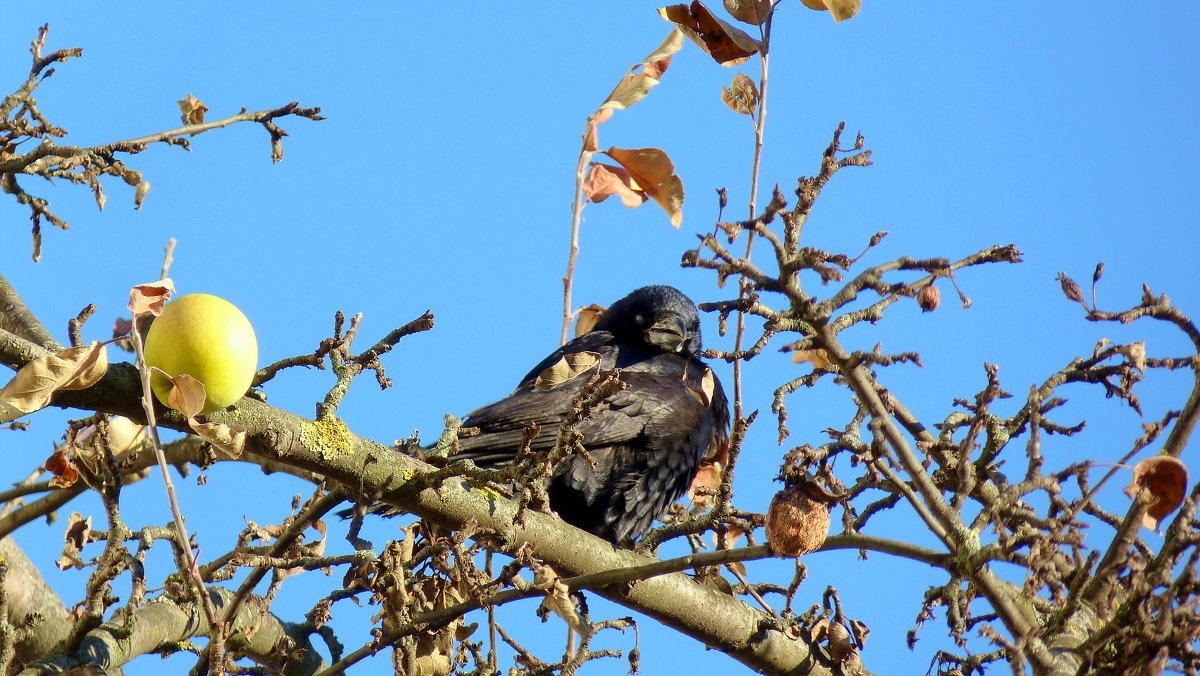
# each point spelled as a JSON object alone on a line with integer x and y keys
{"x": 192, "y": 109}
{"x": 710, "y": 576}
{"x": 605, "y": 180}
{"x": 635, "y": 85}
{"x": 742, "y": 95}
{"x": 465, "y": 631}
{"x": 860, "y": 631}
{"x": 732, "y": 535}
{"x": 566, "y": 369}
{"x": 704, "y": 390}
{"x": 74, "y": 368}
{"x": 150, "y": 298}
{"x": 586, "y": 318}
{"x": 558, "y": 596}
{"x": 77, "y": 536}
{"x": 1136, "y": 354}
{"x": 187, "y": 394}
{"x": 840, "y": 9}
{"x": 122, "y": 327}
{"x": 654, "y": 174}
{"x": 224, "y": 438}
{"x": 268, "y": 533}
{"x": 707, "y": 477}
{"x": 59, "y": 464}
{"x": 139, "y": 194}
{"x": 1160, "y": 481}
{"x": 819, "y": 358}
{"x": 101, "y": 198}
{"x": 841, "y": 643}
{"x": 124, "y": 435}
{"x": 432, "y": 654}
{"x": 753, "y": 12}
{"x": 728, "y": 45}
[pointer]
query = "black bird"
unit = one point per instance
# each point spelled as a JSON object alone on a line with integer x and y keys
{"x": 647, "y": 440}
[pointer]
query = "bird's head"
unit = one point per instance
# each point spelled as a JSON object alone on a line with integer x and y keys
{"x": 659, "y": 316}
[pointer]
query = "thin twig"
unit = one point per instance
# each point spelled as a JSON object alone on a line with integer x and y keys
{"x": 585, "y": 157}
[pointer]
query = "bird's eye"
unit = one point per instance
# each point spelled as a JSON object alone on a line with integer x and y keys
{"x": 639, "y": 319}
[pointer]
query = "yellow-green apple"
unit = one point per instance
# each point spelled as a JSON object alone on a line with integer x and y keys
{"x": 207, "y": 338}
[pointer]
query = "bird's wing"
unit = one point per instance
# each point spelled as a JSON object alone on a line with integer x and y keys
{"x": 656, "y": 404}
{"x": 636, "y": 477}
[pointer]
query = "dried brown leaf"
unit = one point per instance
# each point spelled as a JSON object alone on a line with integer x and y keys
{"x": 753, "y": 12}
{"x": 635, "y": 85}
{"x": 841, "y": 643}
{"x": 1136, "y": 354}
{"x": 139, "y": 194}
{"x": 192, "y": 109}
{"x": 703, "y": 391}
{"x": 74, "y": 368}
{"x": 59, "y": 464}
{"x": 860, "y": 630}
{"x": 124, "y": 435}
{"x": 840, "y": 9}
{"x": 267, "y": 533}
{"x": 558, "y": 596}
{"x": 742, "y": 95}
{"x": 1161, "y": 481}
{"x": 101, "y": 198}
{"x": 819, "y": 358}
{"x": 710, "y": 576}
{"x": 707, "y": 477}
{"x": 590, "y": 139}
{"x": 565, "y": 369}
{"x": 653, "y": 172}
{"x": 150, "y": 298}
{"x": 433, "y": 654}
{"x": 732, "y": 535}
{"x": 728, "y": 45}
{"x": 187, "y": 394}
{"x": 586, "y": 318}
{"x": 604, "y": 181}
{"x": 77, "y": 536}
{"x": 224, "y": 438}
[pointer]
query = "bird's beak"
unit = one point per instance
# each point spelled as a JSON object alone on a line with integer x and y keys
{"x": 668, "y": 333}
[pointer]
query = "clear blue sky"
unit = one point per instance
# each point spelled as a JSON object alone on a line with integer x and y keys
{"x": 443, "y": 180}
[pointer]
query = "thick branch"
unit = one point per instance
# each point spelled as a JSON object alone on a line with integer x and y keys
{"x": 163, "y": 624}
{"x": 287, "y": 440}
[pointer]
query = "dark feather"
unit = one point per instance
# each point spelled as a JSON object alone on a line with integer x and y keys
{"x": 647, "y": 440}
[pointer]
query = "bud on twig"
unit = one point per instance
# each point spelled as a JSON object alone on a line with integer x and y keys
{"x": 1096, "y": 278}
